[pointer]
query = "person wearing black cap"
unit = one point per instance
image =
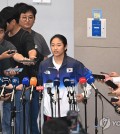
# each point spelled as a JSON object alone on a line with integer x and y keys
{"x": 24, "y": 43}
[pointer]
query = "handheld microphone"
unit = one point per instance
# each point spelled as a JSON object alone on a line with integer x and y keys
{"x": 25, "y": 82}
{"x": 6, "y": 82}
{"x": 15, "y": 83}
{"x": 33, "y": 83}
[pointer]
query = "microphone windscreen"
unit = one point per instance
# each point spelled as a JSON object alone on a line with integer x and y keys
{"x": 90, "y": 79}
{"x": 33, "y": 81}
{"x": 66, "y": 81}
{"x": 72, "y": 82}
{"x": 56, "y": 82}
{"x": 15, "y": 81}
{"x": 6, "y": 81}
{"x": 82, "y": 80}
{"x": 25, "y": 81}
{"x": 48, "y": 84}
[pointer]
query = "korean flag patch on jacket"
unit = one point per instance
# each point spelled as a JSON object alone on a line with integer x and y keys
{"x": 69, "y": 70}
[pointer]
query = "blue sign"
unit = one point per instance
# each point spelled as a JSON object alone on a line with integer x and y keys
{"x": 96, "y": 27}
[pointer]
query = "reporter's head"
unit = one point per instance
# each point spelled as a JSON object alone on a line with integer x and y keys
{"x": 55, "y": 126}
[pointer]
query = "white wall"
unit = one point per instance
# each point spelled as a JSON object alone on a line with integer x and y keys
{"x": 53, "y": 18}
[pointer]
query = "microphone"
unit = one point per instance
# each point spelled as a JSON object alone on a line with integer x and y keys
{"x": 66, "y": 81}
{"x": 49, "y": 86}
{"x": 25, "y": 82}
{"x": 15, "y": 83}
{"x": 90, "y": 79}
{"x": 72, "y": 94}
{"x": 5, "y": 82}
{"x": 56, "y": 82}
{"x": 72, "y": 85}
{"x": 83, "y": 84}
{"x": 33, "y": 83}
{"x": 40, "y": 89}
{"x": 40, "y": 86}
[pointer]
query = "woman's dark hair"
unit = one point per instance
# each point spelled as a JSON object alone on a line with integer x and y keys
{"x": 55, "y": 126}
{"x": 62, "y": 38}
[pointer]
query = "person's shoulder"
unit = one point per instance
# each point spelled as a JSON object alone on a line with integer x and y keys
{"x": 37, "y": 34}
{"x": 7, "y": 43}
{"x": 73, "y": 60}
{"x": 24, "y": 31}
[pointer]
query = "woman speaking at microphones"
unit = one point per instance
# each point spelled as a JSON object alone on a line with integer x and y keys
{"x": 66, "y": 69}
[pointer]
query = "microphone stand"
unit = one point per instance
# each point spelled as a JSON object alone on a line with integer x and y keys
{"x": 96, "y": 119}
{"x": 40, "y": 100}
{"x": 51, "y": 100}
{"x": 68, "y": 95}
{"x": 13, "y": 114}
{"x": 85, "y": 104}
{"x": 58, "y": 102}
{"x": 23, "y": 99}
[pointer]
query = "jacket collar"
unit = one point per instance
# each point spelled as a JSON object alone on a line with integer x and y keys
{"x": 63, "y": 63}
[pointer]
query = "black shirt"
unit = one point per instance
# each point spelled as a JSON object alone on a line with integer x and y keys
{"x": 4, "y": 63}
{"x": 24, "y": 42}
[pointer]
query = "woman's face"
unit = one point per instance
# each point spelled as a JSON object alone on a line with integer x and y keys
{"x": 57, "y": 47}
